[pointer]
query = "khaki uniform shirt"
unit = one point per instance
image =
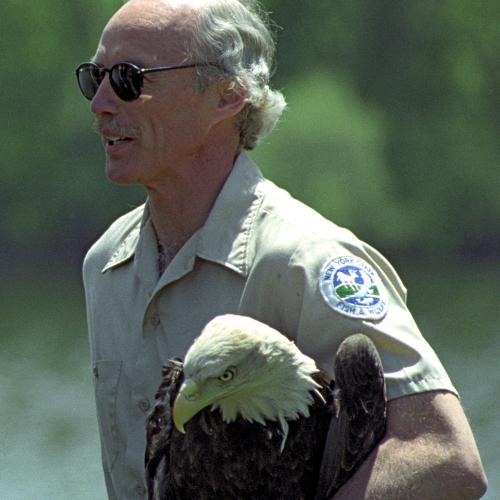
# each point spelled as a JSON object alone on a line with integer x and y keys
{"x": 260, "y": 253}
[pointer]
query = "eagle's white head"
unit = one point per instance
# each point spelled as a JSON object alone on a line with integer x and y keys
{"x": 243, "y": 367}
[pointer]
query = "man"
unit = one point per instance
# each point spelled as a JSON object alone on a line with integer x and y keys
{"x": 215, "y": 237}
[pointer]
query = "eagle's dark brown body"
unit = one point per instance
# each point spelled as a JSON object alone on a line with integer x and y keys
{"x": 242, "y": 460}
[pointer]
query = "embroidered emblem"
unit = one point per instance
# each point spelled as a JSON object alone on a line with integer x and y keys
{"x": 352, "y": 287}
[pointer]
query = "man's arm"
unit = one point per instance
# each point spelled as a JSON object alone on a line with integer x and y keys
{"x": 428, "y": 452}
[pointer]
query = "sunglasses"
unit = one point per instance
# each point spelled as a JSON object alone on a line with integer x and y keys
{"x": 126, "y": 78}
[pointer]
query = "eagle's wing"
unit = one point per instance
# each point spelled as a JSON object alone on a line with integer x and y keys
{"x": 360, "y": 400}
{"x": 159, "y": 424}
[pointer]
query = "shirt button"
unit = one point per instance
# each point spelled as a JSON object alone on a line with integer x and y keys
{"x": 144, "y": 405}
{"x": 155, "y": 320}
{"x": 140, "y": 490}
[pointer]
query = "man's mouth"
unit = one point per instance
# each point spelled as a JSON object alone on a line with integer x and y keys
{"x": 111, "y": 141}
{"x": 115, "y": 134}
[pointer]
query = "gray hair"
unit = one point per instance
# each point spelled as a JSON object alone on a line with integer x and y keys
{"x": 235, "y": 35}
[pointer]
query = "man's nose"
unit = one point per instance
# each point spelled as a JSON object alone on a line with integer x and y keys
{"x": 105, "y": 100}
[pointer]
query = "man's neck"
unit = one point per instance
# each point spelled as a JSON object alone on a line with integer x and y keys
{"x": 180, "y": 205}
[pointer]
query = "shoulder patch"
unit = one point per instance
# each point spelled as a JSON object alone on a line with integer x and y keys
{"x": 351, "y": 286}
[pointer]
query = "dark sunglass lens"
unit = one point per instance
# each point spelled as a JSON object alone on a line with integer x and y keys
{"x": 89, "y": 78}
{"x": 126, "y": 80}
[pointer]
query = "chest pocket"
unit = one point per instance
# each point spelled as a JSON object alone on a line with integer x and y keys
{"x": 107, "y": 377}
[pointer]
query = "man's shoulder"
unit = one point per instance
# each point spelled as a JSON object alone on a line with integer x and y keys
{"x": 290, "y": 233}
{"x": 102, "y": 250}
{"x": 291, "y": 236}
{"x": 288, "y": 221}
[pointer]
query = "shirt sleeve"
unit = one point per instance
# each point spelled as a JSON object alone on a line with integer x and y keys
{"x": 373, "y": 303}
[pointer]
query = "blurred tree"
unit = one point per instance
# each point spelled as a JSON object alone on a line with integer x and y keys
{"x": 431, "y": 71}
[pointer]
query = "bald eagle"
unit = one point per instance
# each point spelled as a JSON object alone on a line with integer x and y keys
{"x": 249, "y": 416}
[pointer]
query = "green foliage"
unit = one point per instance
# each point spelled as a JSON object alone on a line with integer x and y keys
{"x": 392, "y": 128}
{"x": 431, "y": 71}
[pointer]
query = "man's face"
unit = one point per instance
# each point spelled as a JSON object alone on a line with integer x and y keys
{"x": 168, "y": 124}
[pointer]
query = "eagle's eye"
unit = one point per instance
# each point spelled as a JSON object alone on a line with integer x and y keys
{"x": 227, "y": 375}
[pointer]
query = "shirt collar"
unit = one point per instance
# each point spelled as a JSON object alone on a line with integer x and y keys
{"x": 224, "y": 238}
{"x": 125, "y": 248}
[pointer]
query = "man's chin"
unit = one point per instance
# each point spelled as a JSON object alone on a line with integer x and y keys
{"x": 120, "y": 174}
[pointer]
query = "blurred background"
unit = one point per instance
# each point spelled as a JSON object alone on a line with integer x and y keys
{"x": 393, "y": 129}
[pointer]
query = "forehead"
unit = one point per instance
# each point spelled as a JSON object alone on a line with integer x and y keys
{"x": 146, "y": 31}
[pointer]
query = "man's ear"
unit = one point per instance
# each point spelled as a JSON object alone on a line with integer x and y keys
{"x": 231, "y": 99}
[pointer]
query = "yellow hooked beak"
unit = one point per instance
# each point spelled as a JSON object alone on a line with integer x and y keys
{"x": 187, "y": 404}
